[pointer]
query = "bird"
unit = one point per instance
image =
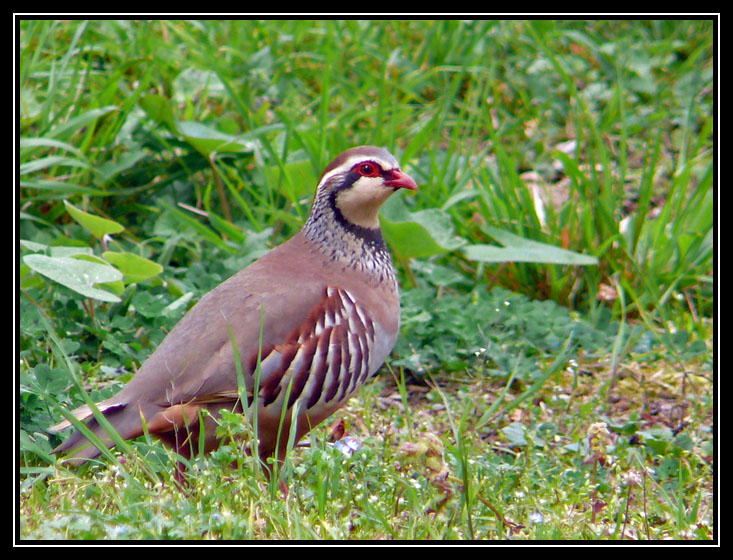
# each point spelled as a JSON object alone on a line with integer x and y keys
{"x": 307, "y": 323}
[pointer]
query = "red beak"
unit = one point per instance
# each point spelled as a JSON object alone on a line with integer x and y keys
{"x": 401, "y": 180}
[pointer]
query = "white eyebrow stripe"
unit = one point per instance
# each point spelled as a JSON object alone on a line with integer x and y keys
{"x": 353, "y": 160}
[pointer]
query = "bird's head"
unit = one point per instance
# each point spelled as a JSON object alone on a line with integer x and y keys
{"x": 357, "y": 182}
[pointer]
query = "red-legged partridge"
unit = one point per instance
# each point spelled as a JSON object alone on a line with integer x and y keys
{"x": 329, "y": 307}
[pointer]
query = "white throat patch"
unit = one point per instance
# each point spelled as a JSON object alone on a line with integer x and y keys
{"x": 360, "y": 204}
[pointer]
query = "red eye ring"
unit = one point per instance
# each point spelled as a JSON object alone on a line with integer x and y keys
{"x": 368, "y": 169}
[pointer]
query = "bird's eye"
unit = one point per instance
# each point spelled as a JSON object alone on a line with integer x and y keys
{"x": 367, "y": 169}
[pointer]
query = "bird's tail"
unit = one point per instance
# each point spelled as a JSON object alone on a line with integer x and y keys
{"x": 78, "y": 448}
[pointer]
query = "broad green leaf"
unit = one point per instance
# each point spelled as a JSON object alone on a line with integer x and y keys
{"x": 32, "y": 245}
{"x": 80, "y": 275}
{"x": 57, "y": 250}
{"x": 134, "y": 267}
{"x": 518, "y": 249}
{"x": 98, "y": 227}
{"x": 68, "y": 251}
{"x": 515, "y": 434}
{"x": 417, "y": 234}
{"x": 159, "y": 109}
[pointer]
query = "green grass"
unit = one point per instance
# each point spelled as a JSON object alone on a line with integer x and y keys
{"x": 535, "y": 144}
